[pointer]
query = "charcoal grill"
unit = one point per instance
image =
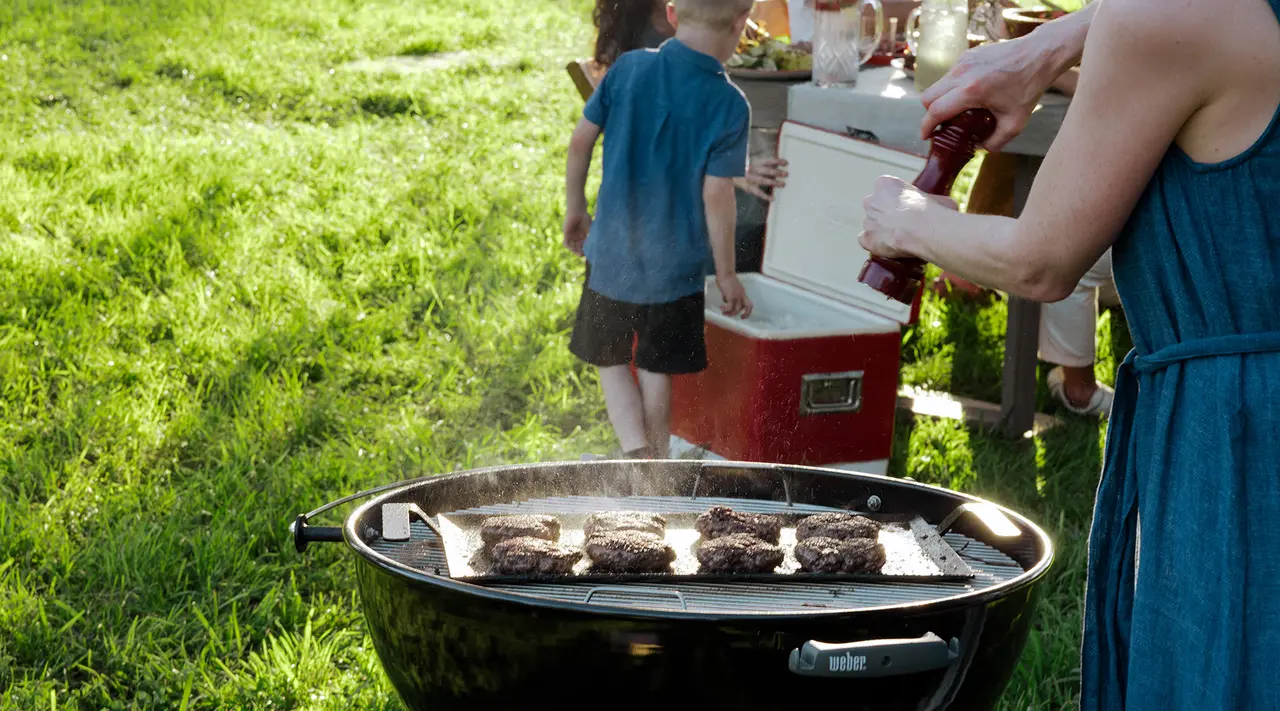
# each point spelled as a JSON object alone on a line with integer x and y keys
{"x": 879, "y": 642}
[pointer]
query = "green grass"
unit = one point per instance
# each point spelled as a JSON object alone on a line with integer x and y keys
{"x": 238, "y": 280}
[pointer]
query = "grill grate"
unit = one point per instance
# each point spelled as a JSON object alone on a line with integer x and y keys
{"x": 991, "y": 567}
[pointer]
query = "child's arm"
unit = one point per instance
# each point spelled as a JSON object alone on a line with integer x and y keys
{"x": 577, "y": 223}
{"x": 576, "y": 220}
{"x": 721, "y": 206}
{"x": 726, "y": 164}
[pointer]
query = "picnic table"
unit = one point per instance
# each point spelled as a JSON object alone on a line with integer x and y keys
{"x": 886, "y": 108}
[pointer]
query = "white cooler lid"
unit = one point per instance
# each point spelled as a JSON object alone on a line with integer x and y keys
{"x": 811, "y": 237}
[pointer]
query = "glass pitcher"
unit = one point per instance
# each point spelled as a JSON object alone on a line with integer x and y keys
{"x": 941, "y": 37}
{"x": 838, "y": 45}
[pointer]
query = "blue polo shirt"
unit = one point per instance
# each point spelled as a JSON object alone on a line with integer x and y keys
{"x": 670, "y": 117}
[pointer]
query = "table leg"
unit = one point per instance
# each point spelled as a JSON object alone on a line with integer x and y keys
{"x": 1022, "y": 336}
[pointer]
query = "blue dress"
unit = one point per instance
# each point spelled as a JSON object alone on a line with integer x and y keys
{"x": 1193, "y": 449}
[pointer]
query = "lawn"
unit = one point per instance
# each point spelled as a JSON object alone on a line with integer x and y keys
{"x": 240, "y": 277}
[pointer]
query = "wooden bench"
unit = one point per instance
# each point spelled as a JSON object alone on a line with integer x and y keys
{"x": 586, "y": 76}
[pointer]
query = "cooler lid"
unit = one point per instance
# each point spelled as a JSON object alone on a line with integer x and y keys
{"x": 811, "y": 232}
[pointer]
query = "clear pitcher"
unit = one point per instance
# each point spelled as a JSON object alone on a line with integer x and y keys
{"x": 941, "y": 37}
{"x": 839, "y": 48}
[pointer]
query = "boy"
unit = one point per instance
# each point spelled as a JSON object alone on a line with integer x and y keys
{"x": 676, "y": 132}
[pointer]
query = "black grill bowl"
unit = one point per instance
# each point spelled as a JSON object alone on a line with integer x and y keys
{"x": 448, "y": 644}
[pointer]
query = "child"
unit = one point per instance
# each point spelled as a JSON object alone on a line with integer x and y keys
{"x": 624, "y": 25}
{"x": 676, "y": 132}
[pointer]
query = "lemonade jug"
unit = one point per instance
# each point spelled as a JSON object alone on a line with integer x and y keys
{"x": 941, "y": 37}
{"x": 838, "y": 45}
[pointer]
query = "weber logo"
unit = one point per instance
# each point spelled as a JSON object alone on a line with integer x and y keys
{"x": 847, "y": 662}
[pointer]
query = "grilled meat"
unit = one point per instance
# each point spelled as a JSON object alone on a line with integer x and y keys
{"x": 495, "y": 529}
{"x": 739, "y": 553}
{"x": 606, "y": 521}
{"x": 629, "y": 552}
{"x": 527, "y": 555}
{"x": 829, "y": 555}
{"x": 723, "y": 521}
{"x": 840, "y": 526}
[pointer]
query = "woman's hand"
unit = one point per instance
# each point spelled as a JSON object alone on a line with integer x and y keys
{"x": 896, "y": 217}
{"x": 1008, "y": 78}
{"x": 1004, "y": 77}
{"x": 767, "y": 173}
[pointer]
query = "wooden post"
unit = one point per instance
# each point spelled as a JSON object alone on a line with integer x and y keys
{"x": 1022, "y": 337}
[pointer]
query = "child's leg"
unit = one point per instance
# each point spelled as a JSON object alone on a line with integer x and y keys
{"x": 603, "y": 334}
{"x": 626, "y": 408}
{"x": 671, "y": 343}
{"x": 655, "y": 392}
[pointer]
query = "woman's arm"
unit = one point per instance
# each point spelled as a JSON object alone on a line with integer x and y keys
{"x": 1066, "y": 83}
{"x": 1144, "y": 75}
{"x": 1008, "y": 78}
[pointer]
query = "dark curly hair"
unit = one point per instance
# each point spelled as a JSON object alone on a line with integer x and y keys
{"x": 619, "y": 26}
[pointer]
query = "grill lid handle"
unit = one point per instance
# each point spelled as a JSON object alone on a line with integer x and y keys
{"x": 874, "y": 658}
{"x": 304, "y": 535}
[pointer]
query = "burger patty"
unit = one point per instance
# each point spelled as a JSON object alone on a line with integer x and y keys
{"x": 723, "y": 521}
{"x": 495, "y": 529}
{"x": 829, "y": 555}
{"x": 607, "y": 521}
{"x": 629, "y": 552}
{"x": 527, "y": 555}
{"x": 840, "y": 526}
{"x": 739, "y": 553}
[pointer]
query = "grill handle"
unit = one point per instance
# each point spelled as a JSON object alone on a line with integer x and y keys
{"x": 874, "y": 658}
{"x": 635, "y": 591}
{"x": 304, "y": 535}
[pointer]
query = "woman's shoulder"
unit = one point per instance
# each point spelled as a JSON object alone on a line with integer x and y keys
{"x": 1164, "y": 25}
{"x": 1178, "y": 38}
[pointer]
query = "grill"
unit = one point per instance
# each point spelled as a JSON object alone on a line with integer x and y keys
{"x": 912, "y": 642}
{"x": 424, "y": 552}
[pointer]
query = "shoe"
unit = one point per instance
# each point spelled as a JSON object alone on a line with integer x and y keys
{"x": 1099, "y": 403}
{"x": 950, "y": 286}
{"x": 617, "y": 454}
{"x": 641, "y": 453}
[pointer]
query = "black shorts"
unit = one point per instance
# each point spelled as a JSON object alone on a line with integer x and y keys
{"x": 667, "y": 338}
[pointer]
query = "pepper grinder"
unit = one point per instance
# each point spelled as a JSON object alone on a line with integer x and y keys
{"x": 953, "y": 146}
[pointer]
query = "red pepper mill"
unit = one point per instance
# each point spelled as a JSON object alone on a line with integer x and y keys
{"x": 954, "y": 143}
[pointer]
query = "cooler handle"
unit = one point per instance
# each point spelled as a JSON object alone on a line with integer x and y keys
{"x": 874, "y": 658}
{"x": 830, "y": 393}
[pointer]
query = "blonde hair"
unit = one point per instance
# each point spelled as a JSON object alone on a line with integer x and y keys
{"x": 712, "y": 14}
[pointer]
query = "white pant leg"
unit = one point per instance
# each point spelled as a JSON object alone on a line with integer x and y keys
{"x": 1069, "y": 328}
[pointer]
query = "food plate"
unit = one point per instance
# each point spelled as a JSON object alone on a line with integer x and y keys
{"x": 772, "y": 74}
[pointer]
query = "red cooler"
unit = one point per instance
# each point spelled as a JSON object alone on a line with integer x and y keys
{"x": 812, "y": 376}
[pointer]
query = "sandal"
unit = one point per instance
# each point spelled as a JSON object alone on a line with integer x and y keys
{"x": 1099, "y": 403}
{"x": 641, "y": 453}
{"x": 950, "y": 286}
